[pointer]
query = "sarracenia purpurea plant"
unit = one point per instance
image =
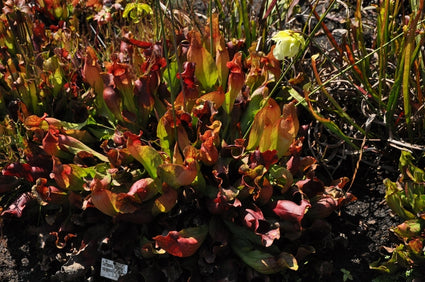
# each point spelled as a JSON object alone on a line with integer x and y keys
{"x": 180, "y": 133}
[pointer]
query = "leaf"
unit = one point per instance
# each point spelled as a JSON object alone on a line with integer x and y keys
{"x": 288, "y": 210}
{"x": 24, "y": 170}
{"x": 184, "y": 243}
{"x": 48, "y": 194}
{"x": 91, "y": 72}
{"x": 253, "y": 107}
{"x": 262, "y": 261}
{"x": 265, "y": 118}
{"x": 170, "y": 76}
{"x": 165, "y": 134}
{"x": 166, "y": 201}
{"x": 219, "y": 47}
{"x": 205, "y": 69}
{"x": 285, "y": 130}
{"x": 408, "y": 169}
{"x": 70, "y": 176}
{"x": 105, "y": 201}
{"x": 215, "y": 97}
{"x": 208, "y": 152}
{"x": 281, "y": 177}
{"x": 311, "y": 187}
{"x": 235, "y": 83}
{"x": 50, "y": 143}
{"x": 17, "y": 207}
{"x": 75, "y": 146}
{"x": 146, "y": 155}
{"x": 254, "y": 220}
{"x": 57, "y": 81}
{"x": 177, "y": 175}
{"x": 323, "y": 207}
{"x": 393, "y": 197}
{"x": 410, "y": 229}
{"x": 144, "y": 189}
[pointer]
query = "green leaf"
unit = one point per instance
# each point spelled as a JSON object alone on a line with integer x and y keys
{"x": 262, "y": 126}
{"x": 146, "y": 155}
{"x": 57, "y": 81}
{"x": 253, "y": 107}
{"x": 170, "y": 76}
{"x": 408, "y": 169}
{"x": 393, "y": 196}
{"x": 177, "y": 175}
{"x": 205, "y": 68}
{"x": 264, "y": 262}
{"x": 166, "y": 138}
{"x": 248, "y": 246}
{"x": 294, "y": 94}
{"x": 75, "y": 146}
{"x": 410, "y": 228}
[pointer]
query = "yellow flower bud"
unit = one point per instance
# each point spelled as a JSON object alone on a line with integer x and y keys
{"x": 288, "y": 44}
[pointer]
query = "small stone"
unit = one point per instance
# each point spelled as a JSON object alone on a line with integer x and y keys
{"x": 25, "y": 262}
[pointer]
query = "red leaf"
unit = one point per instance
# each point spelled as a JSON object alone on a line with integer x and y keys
{"x": 266, "y": 191}
{"x": 113, "y": 101}
{"x": 61, "y": 173}
{"x": 23, "y": 170}
{"x": 48, "y": 194}
{"x": 208, "y": 152}
{"x": 183, "y": 243}
{"x": 138, "y": 43}
{"x": 50, "y": 142}
{"x": 266, "y": 158}
{"x": 104, "y": 200}
{"x": 323, "y": 207}
{"x": 311, "y": 187}
{"x": 177, "y": 175}
{"x": 92, "y": 71}
{"x": 188, "y": 75}
{"x": 18, "y": 206}
{"x": 288, "y": 210}
{"x": 252, "y": 217}
{"x": 144, "y": 189}
{"x": 297, "y": 165}
{"x": 236, "y": 81}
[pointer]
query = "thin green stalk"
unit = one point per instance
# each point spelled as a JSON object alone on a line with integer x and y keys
{"x": 383, "y": 24}
{"x": 246, "y": 23}
{"x": 408, "y": 53}
{"x": 164, "y": 40}
{"x": 211, "y": 28}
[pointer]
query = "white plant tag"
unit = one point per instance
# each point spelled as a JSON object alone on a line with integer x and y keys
{"x": 112, "y": 270}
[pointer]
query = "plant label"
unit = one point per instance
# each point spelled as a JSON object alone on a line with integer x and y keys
{"x": 112, "y": 270}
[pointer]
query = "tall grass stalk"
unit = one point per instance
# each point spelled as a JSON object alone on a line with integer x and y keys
{"x": 410, "y": 55}
{"x": 166, "y": 55}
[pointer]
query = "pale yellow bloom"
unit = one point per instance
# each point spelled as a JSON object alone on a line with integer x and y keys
{"x": 288, "y": 44}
